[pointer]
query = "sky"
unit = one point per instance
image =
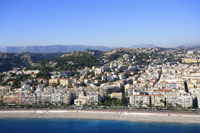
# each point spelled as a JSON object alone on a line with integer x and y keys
{"x": 113, "y": 23}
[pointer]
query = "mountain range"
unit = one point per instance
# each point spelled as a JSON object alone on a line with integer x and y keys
{"x": 189, "y": 46}
{"x": 143, "y": 46}
{"x": 53, "y": 48}
{"x": 70, "y": 48}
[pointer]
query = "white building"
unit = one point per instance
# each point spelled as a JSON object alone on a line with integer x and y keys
{"x": 140, "y": 100}
{"x": 184, "y": 100}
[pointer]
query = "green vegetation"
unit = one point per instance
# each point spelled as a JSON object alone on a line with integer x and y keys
{"x": 117, "y": 55}
{"x": 114, "y": 102}
{"x": 89, "y": 74}
{"x": 8, "y": 61}
{"x": 71, "y": 62}
{"x": 1, "y": 79}
{"x": 16, "y": 79}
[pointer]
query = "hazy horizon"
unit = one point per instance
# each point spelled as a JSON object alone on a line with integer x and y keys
{"x": 111, "y": 23}
{"x": 122, "y": 46}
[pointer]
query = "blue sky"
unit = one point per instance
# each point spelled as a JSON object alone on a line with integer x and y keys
{"x": 99, "y": 22}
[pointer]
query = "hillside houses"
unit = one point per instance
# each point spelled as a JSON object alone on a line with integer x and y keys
{"x": 139, "y": 78}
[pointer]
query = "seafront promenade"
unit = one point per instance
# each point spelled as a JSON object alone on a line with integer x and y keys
{"x": 161, "y": 117}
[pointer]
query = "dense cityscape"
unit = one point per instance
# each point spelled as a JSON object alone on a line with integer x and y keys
{"x": 139, "y": 78}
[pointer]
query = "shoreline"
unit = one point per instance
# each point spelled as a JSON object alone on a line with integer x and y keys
{"x": 133, "y": 116}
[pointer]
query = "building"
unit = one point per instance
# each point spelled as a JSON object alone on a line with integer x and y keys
{"x": 162, "y": 91}
{"x": 4, "y": 90}
{"x": 12, "y": 99}
{"x": 98, "y": 71}
{"x": 93, "y": 99}
{"x": 53, "y": 81}
{"x": 189, "y": 60}
{"x": 158, "y": 100}
{"x": 171, "y": 100}
{"x": 190, "y": 85}
{"x": 81, "y": 100}
{"x": 31, "y": 71}
{"x": 117, "y": 95}
{"x": 65, "y": 82}
{"x": 184, "y": 100}
{"x": 140, "y": 100}
{"x": 67, "y": 98}
{"x": 127, "y": 87}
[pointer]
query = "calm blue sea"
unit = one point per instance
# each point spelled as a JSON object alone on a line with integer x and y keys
{"x": 90, "y": 126}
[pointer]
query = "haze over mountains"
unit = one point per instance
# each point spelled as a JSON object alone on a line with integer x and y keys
{"x": 62, "y": 48}
{"x": 144, "y": 46}
{"x": 54, "y": 48}
{"x": 70, "y": 48}
{"x": 189, "y": 46}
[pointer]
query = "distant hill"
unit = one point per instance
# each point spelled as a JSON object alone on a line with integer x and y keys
{"x": 8, "y": 61}
{"x": 143, "y": 46}
{"x": 54, "y": 48}
{"x": 189, "y": 46}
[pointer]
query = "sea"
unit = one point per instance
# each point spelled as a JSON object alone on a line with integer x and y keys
{"x": 91, "y": 126}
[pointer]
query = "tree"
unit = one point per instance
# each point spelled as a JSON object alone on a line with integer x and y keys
{"x": 16, "y": 83}
{"x": 83, "y": 84}
{"x": 123, "y": 101}
{"x": 54, "y": 85}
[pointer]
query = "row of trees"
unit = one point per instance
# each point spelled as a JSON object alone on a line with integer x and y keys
{"x": 114, "y": 102}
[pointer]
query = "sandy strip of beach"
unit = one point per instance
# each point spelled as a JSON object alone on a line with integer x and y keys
{"x": 105, "y": 115}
